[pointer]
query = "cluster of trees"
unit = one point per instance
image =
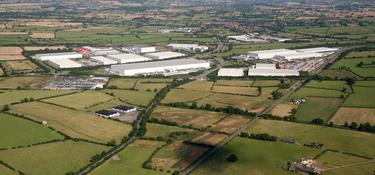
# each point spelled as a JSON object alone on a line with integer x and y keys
{"x": 273, "y": 117}
{"x": 209, "y": 107}
{"x": 27, "y": 100}
{"x": 276, "y": 95}
{"x": 262, "y": 136}
{"x": 361, "y": 127}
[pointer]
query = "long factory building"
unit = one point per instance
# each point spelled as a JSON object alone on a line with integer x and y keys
{"x": 166, "y": 67}
{"x": 289, "y": 55}
{"x": 270, "y": 70}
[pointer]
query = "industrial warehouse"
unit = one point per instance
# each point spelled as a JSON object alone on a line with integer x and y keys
{"x": 164, "y": 55}
{"x": 230, "y": 72}
{"x": 188, "y": 47}
{"x": 128, "y": 58}
{"x": 167, "y": 67}
{"x": 270, "y": 70}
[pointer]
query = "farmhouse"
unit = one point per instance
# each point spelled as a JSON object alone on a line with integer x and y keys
{"x": 125, "y": 109}
{"x": 139, "y": 49}
{"x": 107, "y": 113}
{"x": 128, "y": 58}
{"x": 167, "y": 67}
{"x": 63, "y": 63}
{"x": 270, "y": 70}
{"x": 103, "y": 60}
{"x": 60, "y": 55}
{"x": 188, "y": 47}
{"x": 164, "y": 55}
{"x": 230, "y": 72}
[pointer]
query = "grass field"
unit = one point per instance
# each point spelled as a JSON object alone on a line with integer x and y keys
{"x": 130, "y": 160}
{"x": 333, "y": 138}
{"x": 176, "y": 156}
{"x": 52, "y": 158}
{"x": 365, "y": 83}
{"x": 122, "y": 83}
{"x": 198, "y": 85}
{"x": 363, "y": 97}
{"x": 352, "y": 65}
{"x": 332, "y": 159}
{"x": 254, "y": 157}
{"x": 157, "y": 130}
{"x": 8, "y": 97}
{"x": 15, "y": 131}
{"x": 263, "y": 83}
{"x": 315, "y": 92}
{"x": 150, "y": 86}
{"x": 23, "y": 82}
{"x": 183, "y": 95}
{"x": 359, "y": 115}
{"x": 105, "y": 105}
{"x": 187, "y": 117}
{"x": 327, "y": 107}
{"x": 244, "y": 83}
{"x": 81, "y": 100}
{"x": 337, "y": 73}
{"x": 6, "y": 171}
{"x": 335, "y": 85}
{"x": 360, "y": 54}
{"x": 141, "y": 98}
{"x": 365, "y": 169}
{"x": 251, "y": 91}
{"x": 74, "y": 123}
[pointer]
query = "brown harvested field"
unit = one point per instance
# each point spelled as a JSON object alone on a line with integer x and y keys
{"x": 51, "y": 23}
{"x": 359, "y": 115}
{"x": 282, "y": 110}
{"x": 13, "y": 33}
{"x": 36, "y": 48}
{"x": 43, "y": 35}
{"x": 210, "y": 139}
{"x": 236, "y": 90}
{"x": 187, "y": 117}
{"x": 11, "y": 53}
{"x": 10, "y": 50}
{"x": 22, "y": 66}
{"x": 176, "y": 156}
{"x": 230, "y": 124}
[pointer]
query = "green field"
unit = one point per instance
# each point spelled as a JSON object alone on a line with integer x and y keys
{"x": 122, "y": 83}
{"x": 351, "y": 64}
{"x": 198, "y": 85}
{"x": 244, "y": 83}
{"x": 365, "y": 169}
{"x": 333, "y": 138}
{"x": 130, "y": 160}
{"x": 337, "y": 73}
{"x": 360, "y": 54}
{"x": 6, "y": 171}
{"x": 350, "y": 32}
{"x": 183, "y": 95}
{"x": 15, "y": 131}
{"x": 23, "y": 82}
{"x": 254, "y": 157}
{"x": 315, "y": 92}
{"x": 332, "y": 159}
{"x": 363, "y": 97}
{"x": 157, "y": 130}
{"x": 53, "y": 158}
{"x": 105, "y": 105}
{"x": 365, "y": 83}
{"x": 74, "y": 123}
{"x": 81, "y": 100}
{"x": 8, "y": 97}
{"x": 266, "y": 83}
{"x": 335, "y": 85}
{"x": 141, "y": 98}
{"x": 317, "y": 107}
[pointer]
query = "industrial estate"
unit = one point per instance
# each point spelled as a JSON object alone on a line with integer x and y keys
{"x": 175, "y": 87}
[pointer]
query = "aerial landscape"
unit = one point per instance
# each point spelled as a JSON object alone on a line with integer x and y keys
{"x": 178, "y": 87}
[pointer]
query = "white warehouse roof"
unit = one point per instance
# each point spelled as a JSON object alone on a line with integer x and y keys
{"x": 265, "y": 66}
{"x": 164, "y": 55}
{"x": 230, "y": 72}
{"x": 59, "y": 55}
{"x": 318, "y": 49}
{"x": 269, "y": 54}
{"x": 128, "y": 58}
{"x": 63, "y": 63}
{"x": 273, "y": 72}
{"x": 159, "y": 67}
{"x": 103, "y": 60}
{"x": 299, "y": 55}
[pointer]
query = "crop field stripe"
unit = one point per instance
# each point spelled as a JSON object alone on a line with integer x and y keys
{"x": 6, "y": 165}
{"x": 339, "y": 106}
